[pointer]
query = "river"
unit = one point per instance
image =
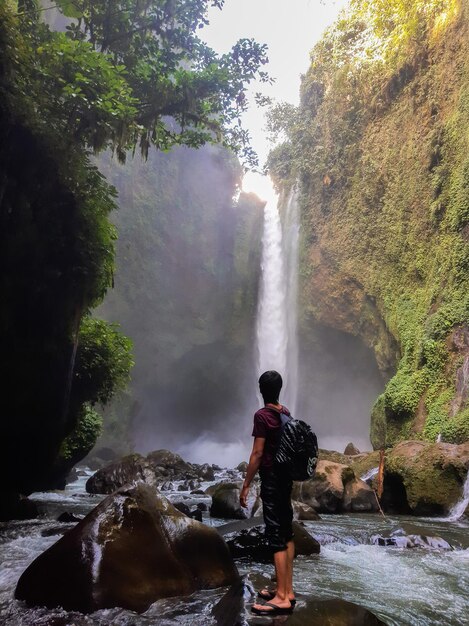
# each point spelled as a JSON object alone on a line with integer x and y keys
{"x": 404, "y": 587}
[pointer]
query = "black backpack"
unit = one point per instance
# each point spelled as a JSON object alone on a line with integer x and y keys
{"x": 297, "y": 453}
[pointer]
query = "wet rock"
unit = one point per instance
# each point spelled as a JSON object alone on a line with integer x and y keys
{"x": 171, "y": 461}
{"x": 131, "y": 550}
{"x": 225, "y": 502}
{"x": 183, "y": 507}
{"x": 69, "y": 518}
{"x": 411, "y": 541}
{"x": 351, "y": 450}
{"x": 325, "y": 491}
{"x": 303, "y": 512}
{"x": 14, "y": 506}
{"x": 197, "y": 492}
{"x": 131, "y": 469}
{"x": 205, "y": 471}
{"x": 332, "y": 613}
{"x": 242, "y": 467}
{"x": 359, "y": 497}
{"x": 423, "y": 478}
{"x": 202, "y": 506}
{"x": 246, "y": 539}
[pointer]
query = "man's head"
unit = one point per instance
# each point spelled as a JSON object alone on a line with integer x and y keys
{"x": 270, "y": 384}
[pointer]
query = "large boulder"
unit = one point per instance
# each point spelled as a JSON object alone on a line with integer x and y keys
{"x": 359, "y": 497}
{"x": 334, "y": 612}
{"x": 131, "y": 550}
{"x": 424, "y": 478}
{"x": 170, "y": 461}
{"x": 131, "y": 469}
{"x": 325, "y": 491}
{"x": 351, "y": 450}
{"x": 225, "y": 501}
{"x": 246, "y": 539}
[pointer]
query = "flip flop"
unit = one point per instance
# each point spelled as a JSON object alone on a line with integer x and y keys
{"x": 275, "y": 610}
{"x": 269, "y": 594}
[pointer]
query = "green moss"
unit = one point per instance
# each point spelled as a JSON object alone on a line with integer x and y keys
{"x": 456, "y": 429}
{"x": 403, "y": 392}
{"x": 387, "y": 219}
{"x": 77, "y": 445}
{"x": 378, "y": 423}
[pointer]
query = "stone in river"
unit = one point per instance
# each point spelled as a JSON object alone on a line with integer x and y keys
{"x": 329, "y": 613}
{"x": 359, "y": 497}
{"x": 246, "y": 539}
{"x": 132, "y": 468}
{"x": 325, "y": 491}
{"x": 225, "y": 502}
{"x": 131, "y": 550}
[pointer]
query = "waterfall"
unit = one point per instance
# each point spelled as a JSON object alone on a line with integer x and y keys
{"x": 277, "y": 325}
{"x": 458, "y": 509}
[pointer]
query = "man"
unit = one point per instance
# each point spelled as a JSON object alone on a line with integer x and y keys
{"x": 275, "y": 495}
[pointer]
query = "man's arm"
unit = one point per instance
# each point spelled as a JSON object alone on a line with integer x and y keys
{"x": 254, "y": 464}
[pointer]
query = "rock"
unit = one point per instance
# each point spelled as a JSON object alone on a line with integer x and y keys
{"x": 225, "y": 502}
{"x": 303, "y": 512}
{"x": 412, "y": 541}
{"x": 172, "y": 461}
{"x": 182, "y": 506}
{"x": 69, "y": 518}
{"x": 242, "y": 467}
{"x": 131, "y": 550}
{"x": 131, "y": 469}
{"x": 359, "y": 497}
{"x": 424, "y": 478}
{"x": 325, "y": 491}
{"x": 196, "y": 514}
{"x": 197, "y": 492}
{"x": 332, "y": 613}
{"x": 351, "y": 450}
{"x": 14, "y": 506}
{"x": 246, "y": 539}
{"x": 205, "y": 472}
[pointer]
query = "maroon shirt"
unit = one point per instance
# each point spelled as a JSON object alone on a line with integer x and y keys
{"x": 267, "y": 424}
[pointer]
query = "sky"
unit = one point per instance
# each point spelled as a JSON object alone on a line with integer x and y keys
{"x": 290, "y": 29}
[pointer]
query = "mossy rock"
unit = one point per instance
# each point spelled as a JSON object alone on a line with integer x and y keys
{"x": 428, "y": 477}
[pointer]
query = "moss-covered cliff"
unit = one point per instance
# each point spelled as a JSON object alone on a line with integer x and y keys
{"x": 380, "y": 146}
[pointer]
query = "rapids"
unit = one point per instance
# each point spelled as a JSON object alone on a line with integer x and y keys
{"x": 403, "y": 587}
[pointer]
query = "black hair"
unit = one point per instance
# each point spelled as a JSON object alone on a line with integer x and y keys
{"x": 270, "y": 384}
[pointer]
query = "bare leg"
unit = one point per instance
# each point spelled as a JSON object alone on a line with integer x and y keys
{"x": 291, "y": 556}
{"x": 282, "y": 569}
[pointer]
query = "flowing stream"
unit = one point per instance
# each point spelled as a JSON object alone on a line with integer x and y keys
{"x": 277, "y": 331}
{"x": 404, "y": 587}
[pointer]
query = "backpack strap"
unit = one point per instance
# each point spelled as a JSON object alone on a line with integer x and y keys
{"x": 284, "y": 418}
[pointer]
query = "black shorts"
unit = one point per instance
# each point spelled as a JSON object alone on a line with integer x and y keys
{"x": 278, "y": 512}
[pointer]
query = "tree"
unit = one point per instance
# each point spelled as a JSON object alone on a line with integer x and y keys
{"x": 135, "y": 72}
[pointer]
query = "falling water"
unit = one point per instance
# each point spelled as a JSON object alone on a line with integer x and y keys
{"x": 458, "y": 509}
{"x": 277, "y": 339}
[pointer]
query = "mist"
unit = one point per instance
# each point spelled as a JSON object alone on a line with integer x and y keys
{"x": 187, "y": 288}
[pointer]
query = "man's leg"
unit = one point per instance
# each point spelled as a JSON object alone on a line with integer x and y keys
{"x": 290, "y": 557}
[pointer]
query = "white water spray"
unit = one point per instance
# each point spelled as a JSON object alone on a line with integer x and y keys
{"x": 458, "y": 509}
{"x": 277, "y": 322}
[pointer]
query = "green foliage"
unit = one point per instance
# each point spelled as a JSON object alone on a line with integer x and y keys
{"x": 403, "y": 392}
{"x": 83, "y": 437}
{"x": 379, "y": 145}
{"x": 437, "y": 401}
{"x": 456, "y": 429}
{"x": 138, "y": 74}
{"x": 103, "y": 361}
